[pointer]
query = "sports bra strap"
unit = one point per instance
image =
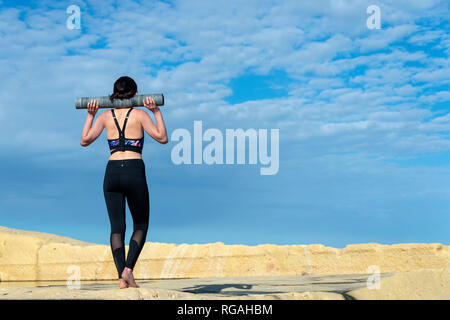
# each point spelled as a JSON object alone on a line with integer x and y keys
{"x": 121, "y": 132}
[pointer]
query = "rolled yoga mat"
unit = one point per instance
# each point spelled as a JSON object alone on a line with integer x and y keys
{"x": 105, "y": 102}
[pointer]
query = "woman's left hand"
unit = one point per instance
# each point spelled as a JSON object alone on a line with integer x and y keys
{"x": 92, "y": 107}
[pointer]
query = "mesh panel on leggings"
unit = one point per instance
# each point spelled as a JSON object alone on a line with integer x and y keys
{"x": 118, "y": 249}
{"x": 137, "y": 242}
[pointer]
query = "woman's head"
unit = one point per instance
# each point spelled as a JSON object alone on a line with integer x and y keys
{"x": 124, "y": 88}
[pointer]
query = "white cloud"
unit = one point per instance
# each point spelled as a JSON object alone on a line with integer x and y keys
{"x": 382, "y": 39}
{"x": 319, "y": 44}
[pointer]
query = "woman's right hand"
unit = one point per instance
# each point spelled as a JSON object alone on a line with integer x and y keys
{"x": 150, "y": 104}
{"x": 92, "y": 107}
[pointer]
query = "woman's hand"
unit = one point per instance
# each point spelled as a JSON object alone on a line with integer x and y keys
{"x": 92, "y": 107}
{"x": 150, "y": 104}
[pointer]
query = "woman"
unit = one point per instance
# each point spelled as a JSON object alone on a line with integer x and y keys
{"x": 125, "y": 172}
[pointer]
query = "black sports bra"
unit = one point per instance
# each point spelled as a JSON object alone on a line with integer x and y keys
{"x": 122, "y": 143}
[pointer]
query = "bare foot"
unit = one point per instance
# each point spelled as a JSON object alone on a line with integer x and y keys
{"x": 127, "y": 275}
{"x": 123, "y": 284}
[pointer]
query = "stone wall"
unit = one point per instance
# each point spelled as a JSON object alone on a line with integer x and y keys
{"x": 31, "y": 256}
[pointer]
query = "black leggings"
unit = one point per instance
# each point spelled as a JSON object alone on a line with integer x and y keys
{"x": 126, "y": 179}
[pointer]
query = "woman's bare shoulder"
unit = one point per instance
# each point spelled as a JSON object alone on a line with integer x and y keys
{"x": 141, "y": 113}
{"x": 104, "y": 114}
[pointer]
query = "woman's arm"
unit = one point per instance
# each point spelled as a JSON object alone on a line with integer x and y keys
{"x": 158, "y": 131}
{"x": 88, "y": 135}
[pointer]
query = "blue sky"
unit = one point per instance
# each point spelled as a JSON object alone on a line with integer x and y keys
{"x": 363, "y": 117}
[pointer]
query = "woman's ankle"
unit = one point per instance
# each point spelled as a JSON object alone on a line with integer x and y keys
{"x": 126, "y": 273}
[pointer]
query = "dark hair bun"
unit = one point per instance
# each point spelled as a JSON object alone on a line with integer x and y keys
{"x": 124, "y": 88}
{"x": 126, "y": 95}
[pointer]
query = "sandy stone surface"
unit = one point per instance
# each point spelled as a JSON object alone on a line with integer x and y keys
{"x": 412, "y": 285}
{"x": 421, "y": 284}
{"x": 281, "y": 287}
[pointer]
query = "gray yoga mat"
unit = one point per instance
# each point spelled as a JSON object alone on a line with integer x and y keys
{"x": 105, "y": 102}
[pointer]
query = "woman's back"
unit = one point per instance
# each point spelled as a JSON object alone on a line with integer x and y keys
{"x": 133, "y": 130}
